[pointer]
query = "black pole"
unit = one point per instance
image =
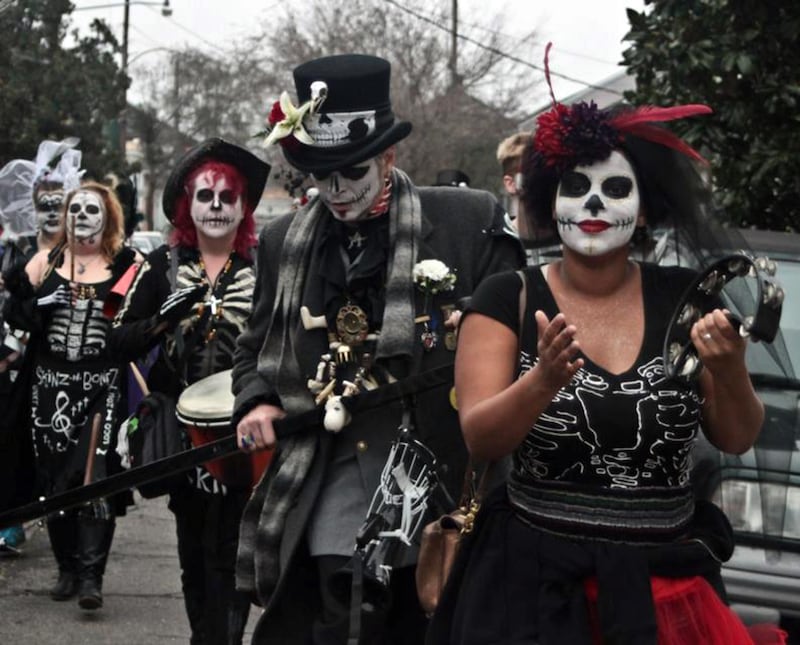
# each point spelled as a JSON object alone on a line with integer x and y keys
{"x": 123, "y": 116}
{"x": 224, "y": 447}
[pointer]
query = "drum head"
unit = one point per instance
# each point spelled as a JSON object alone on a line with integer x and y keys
{"x": 209, "y": 401}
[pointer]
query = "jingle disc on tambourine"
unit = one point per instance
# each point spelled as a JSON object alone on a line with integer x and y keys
{"x": 708, "y": 292}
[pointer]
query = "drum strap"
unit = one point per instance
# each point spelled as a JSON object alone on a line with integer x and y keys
{"x": 173, "y": 282}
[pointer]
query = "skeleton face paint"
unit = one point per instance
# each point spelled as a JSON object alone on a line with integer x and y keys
{"x": 86, "y": 216}
{"x": 351, "y": 192}
{"x": 48, "y": 210}
{"x": 597, "y": 206}
{"x": 216, "y": 208}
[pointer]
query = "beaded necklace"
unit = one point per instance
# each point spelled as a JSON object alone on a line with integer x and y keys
{"x": 214, "y": 302}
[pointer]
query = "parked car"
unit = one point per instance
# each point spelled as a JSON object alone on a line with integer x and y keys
{"x": 760, "y": 490}
{"x": 146, "y": 241}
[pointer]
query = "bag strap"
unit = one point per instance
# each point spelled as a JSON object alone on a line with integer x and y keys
{"x": 471, "y": 497}
{"x": 172, "y": 276}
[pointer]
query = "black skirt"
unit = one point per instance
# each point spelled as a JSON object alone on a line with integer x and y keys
{"x": 513, "y": 584}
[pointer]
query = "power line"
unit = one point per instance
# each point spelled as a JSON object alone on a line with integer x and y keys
{"x": 192, "y": 33}
{"x": 498, "y": 52}
{"x": 561, "y": 50}
{"x": 145, "y": 35}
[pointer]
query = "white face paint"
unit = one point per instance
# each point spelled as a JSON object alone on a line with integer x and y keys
{"x": 86, "y": 216}
{"x": 597, "y": 206}
{"x": 216, "y": 208}
{"x": 351, "y": 192}
{"x": 48, "y": 210}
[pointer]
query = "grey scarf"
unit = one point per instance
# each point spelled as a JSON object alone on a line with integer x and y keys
{"x": 258, "y": 565}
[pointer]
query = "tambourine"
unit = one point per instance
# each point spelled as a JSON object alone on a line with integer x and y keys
{"x": 681, "y": 360}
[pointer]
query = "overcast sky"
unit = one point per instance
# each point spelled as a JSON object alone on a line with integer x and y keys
{"x": 586, "y": 34}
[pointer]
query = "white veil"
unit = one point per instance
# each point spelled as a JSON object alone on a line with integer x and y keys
{"x": 19, "y": 177}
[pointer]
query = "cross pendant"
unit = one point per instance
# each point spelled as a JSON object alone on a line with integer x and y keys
{"x": 213, "y": 302}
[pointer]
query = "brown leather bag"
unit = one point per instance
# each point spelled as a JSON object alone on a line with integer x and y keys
{"x": 437, "y": 552}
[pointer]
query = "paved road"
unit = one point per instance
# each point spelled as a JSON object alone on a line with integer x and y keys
{"x": 143, "y": 602}
{"x": 142, "y": 598}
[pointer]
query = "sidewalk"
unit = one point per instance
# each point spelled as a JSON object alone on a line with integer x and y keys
{"x": 141, "y": 589}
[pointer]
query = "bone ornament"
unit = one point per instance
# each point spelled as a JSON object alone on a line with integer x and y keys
{"x": 312, "y": 322}
{"x": 336, "y": 414}
{"x": 316, "y": 384}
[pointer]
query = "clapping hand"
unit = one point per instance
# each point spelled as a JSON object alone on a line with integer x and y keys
{"x": 179, "y": 304}
{"x": 557, "y": 349}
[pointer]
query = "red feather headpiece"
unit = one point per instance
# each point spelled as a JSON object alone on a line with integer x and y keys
{"x": 582, "y": 134}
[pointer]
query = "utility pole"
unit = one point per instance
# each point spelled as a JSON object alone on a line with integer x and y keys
{"x": 454, "y": 80}
{"x": 176, "y": 90}
{"x": 123, "y": 116}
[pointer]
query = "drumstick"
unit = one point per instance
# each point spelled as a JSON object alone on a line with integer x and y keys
{"x": 87, "y": 476}
{"x": 72, "y": 253}
{"x": 139, "y": 378}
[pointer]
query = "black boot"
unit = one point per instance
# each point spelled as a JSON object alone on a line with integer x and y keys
{"x": 63, "y": 532}
{"x": 94, "y": 543}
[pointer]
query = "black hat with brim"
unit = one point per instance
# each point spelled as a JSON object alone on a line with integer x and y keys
{"x": 357, "y": 110}
{"x": 254, "y": 170}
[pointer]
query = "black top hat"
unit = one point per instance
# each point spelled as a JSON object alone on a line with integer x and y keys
{"x": 451, "y": 178}
{"x": 215, "y": 149}
{"x": 355, "y": 121}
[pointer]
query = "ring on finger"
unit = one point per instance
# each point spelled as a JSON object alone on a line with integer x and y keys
{"x": 248, "y": 441}
{"x": 706, "y": 336}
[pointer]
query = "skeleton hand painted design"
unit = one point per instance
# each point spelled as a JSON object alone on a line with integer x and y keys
{"x": 61, "y": 297}
{"x": 179, "y": 304}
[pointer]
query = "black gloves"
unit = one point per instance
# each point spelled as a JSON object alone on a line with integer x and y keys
{"x": 179, "y": 304}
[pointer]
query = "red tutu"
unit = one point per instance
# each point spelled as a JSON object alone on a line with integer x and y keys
{"x": 689, "y": 612}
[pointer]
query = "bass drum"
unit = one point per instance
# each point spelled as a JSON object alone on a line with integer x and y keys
{"x": 205, "y": 408}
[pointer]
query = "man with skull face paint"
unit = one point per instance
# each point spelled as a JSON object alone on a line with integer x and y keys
{"x": 74, "y": 382}
{"x": 337, "y": 309}
{"x": 191, "y": 299}
{"x": 599, "y": 498}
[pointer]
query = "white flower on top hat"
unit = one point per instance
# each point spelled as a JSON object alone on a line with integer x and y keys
{"x": 285, "y": 119}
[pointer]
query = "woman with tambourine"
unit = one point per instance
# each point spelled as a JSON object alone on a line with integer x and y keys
{"x": 191, "y": 299}
{"x": 596, "y": 535}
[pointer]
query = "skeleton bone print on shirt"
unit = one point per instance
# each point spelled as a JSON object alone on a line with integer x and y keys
{"x": 228, "y": 311}
{"x": 79, "y": 331}
{"x": 622, "y": 431}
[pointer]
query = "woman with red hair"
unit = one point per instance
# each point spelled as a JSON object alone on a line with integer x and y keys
{"x": 191, "y": 298}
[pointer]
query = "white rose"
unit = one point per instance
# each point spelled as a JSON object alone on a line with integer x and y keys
{"x": 433, "y": 270}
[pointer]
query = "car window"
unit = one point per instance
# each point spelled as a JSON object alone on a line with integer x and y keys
{"x": 759, "y": 358}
